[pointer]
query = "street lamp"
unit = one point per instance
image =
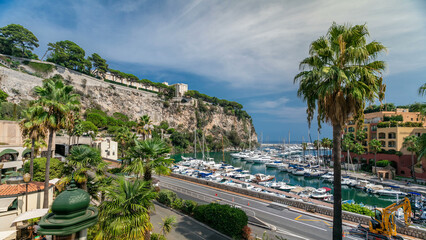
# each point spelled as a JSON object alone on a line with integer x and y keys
{"x": 1, "y": 167}
{"x": 27, "y": 178}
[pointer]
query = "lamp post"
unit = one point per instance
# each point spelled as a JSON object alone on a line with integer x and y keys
{"x": 27, "y": 178}
{"x": 1, "y": 168}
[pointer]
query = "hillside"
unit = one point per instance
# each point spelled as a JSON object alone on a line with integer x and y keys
{"x": 183, "y": 114}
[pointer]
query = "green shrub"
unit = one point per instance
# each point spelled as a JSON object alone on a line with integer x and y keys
{"x": 97, "y": 119}
{"x": 224, "y": 218}
{"x": 188, "y": 206}
{"x": 177, "y": 204}
{"x": 166, "y": 197}
{"x": 56, "y": 168}
{"x": 356, "y": 208}
{"x": 383, "y": 163}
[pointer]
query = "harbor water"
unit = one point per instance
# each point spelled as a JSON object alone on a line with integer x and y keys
{"x": 348, "y": 193}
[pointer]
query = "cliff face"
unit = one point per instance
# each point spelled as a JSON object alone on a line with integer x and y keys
{"x": 182, "y": 115}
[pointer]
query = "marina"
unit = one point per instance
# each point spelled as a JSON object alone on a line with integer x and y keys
{"x": 308, "y": 182}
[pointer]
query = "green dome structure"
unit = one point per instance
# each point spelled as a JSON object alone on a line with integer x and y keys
{"x": 70, "y": 214}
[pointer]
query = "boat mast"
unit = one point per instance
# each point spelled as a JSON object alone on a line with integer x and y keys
{"x": 195, "y": 143}
{"x": 203, "y": 145}
{"x": 223, "y": 151}
{"x": 250, "y": 138}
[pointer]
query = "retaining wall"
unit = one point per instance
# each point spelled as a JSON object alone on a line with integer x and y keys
{"x": 310, "y": 207}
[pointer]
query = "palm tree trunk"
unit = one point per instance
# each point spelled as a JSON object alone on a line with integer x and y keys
{"x": 413, "y": 174}
{"x": 32, "y": 159}
{"x": 337, "y": 205}
{"x": 147, "y": 175}
{"x": 47, "y": 174}
{"x": 375, "y": 163}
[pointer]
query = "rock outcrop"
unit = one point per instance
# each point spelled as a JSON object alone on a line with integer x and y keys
{"x": 180, "y": 113}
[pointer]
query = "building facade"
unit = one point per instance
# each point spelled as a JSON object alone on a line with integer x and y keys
{"x": 107, "y": 147}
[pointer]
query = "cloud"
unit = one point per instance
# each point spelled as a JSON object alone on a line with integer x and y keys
{"x": 246, "y": 44}
{"x": 280, "y": 109}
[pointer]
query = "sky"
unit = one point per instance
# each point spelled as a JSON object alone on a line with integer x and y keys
{"x": 245, "y": 51}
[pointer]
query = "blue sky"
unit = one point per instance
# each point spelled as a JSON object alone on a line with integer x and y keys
{"x": 245, "y": 51}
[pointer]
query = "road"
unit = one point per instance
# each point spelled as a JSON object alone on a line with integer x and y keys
{"x": 286, "y": 223}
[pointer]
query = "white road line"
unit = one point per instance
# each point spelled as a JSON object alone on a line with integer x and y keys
{"x": 289, "y": 219}
{"x": 290, "y": 234}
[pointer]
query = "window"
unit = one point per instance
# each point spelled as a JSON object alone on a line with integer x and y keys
{"x": 382, "y": 135}
{"x": 351, "y": 129}
{"x": 411, "y": 119}
{"x": 391, "y": 144}
{"x": 383, "y": 143}
{"x": 374, "y": 128}
{"x": 365, "y": 129}
{"x": 417, "y": 134}
{"x": 391, "y": 135}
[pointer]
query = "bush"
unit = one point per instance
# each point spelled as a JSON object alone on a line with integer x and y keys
{"x": 166, "y": 197}
{"x": 56, "y": 168}
{"x": 224, "y": 218}
{"x": 177, "y": 204}
{"x": 41, "y": 67}
{"x": 188, "y": 206}
{"x": 383, "y": 163}
{"x": 356, "y": 208}
{"x": 97, "y": 119}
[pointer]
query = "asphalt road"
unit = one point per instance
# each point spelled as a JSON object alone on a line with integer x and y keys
{"x": 286, "y": 223}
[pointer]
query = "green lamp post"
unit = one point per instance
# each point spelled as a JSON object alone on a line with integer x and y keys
{"x": 71, "y": 215}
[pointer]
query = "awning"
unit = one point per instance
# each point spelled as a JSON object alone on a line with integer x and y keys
{"x": 5, "y": 203}
{"x": 7, "y": 234}
{"x": 26, "y": 151}
{"x": 8, "y": 151}
{"x": 31, "y": 214}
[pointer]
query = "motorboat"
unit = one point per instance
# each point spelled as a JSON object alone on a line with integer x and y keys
{"x": 299, "y": 172}
{"x": 390, "y": 193}
{"x": 286, "y": 188}
{"x": 263, "y": 178}
{"x": 321, "y": 193}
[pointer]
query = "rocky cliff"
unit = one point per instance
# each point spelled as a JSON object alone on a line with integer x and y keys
{"x": 182, "y": 114}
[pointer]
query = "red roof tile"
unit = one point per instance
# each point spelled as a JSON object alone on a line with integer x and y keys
{"x": 18, "y": 189}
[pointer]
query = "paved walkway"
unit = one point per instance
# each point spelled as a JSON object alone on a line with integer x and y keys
{"x": 186, "y": 227}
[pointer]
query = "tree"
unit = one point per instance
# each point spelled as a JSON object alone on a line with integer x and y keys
{"x": 32, "y": 127}
{"x": 144, "y": 126}
{"x": 125, "y": 212}
{"x": 115, "y": 74}
{"x": 81, "y": 160}
{"x": 411, "y": 143}
{"x": 168, "y": 224}
{"x": 421, "y": 141}
{"x": 337, "y": 79}
{"x": 18, "y": 41}
{"x": 56, "y": 168}
{"x": 317, "y": 146}
{"x": 422, "y": 89}
{"x": 3, "y": 96}
{"x": 68, "y": 54}
{"x": 347, "y": 144}
{"x": 89, "y": 128}
{"x": 99, "y": 64}
{"x": 148, "y": 156}
{"x": 55, "y": 105}
{"x": 125, "y": 139}
{"x": 375, "y": 146}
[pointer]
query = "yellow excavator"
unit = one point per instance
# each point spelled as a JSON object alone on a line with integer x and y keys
{"x": 383, "y": 225}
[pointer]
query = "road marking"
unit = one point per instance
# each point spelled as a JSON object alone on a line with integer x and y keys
{"x": 311, "y": 220}
{"x": 291, "y": 234}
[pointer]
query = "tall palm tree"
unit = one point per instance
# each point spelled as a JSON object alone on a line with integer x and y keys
{"x": 125, "y": 138}
{"x": 422, "y": 89}
{"x": 304, "y": 147}
{"x": 375, "y": 146}
{"x": 81, "y": 160}
{"x": 347, "y": 144}
{"x": 144, "y": 126}
{"x": 125, "y": 212}
{"x": 56, "y": 105}
{"x": 340, "y": 75}
{"x": 421, "y": 141}
{"x": 33, "y": 128}
{"x": 148, "y": 156}
{"x": 317, "y": 145}
{"x": 411, "y": 143}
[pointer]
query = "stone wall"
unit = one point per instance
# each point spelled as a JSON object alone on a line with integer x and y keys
{"x": 310, "y": 207}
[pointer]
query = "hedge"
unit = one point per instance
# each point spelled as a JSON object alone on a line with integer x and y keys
{"x": 356, "y": 208}
{"x": 166, "y": 197}
{"x": 224, "y": 218}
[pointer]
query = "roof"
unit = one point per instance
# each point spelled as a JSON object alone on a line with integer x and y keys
{"x": 18, "y": 189}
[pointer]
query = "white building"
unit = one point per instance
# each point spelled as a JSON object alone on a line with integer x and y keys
{"x": 107, "y": 147}
{"x": 181, "y": 89}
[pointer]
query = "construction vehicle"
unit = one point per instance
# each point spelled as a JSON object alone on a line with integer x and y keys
{"x": 383, "y": 225}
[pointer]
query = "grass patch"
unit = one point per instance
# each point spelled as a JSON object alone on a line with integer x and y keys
{"x": 40, "y": 67}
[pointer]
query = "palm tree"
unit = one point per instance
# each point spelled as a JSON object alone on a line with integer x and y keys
{"x": 124, "y": 137}
{"x": 148, "y": 156}
{"x": 422, "y": 89}
{"x": 317, "y": 144}
{"x": 56, "y": 105}
{"x": 304, "y": 147}
{"x": 347, "y": 144}
{"x": 421, "y": 141}
{"x": 337, "y": 79}
{"x": 33, "y": 128}
{"x": 144, "y": 126}
{"x": 125, "y": 212}
{"x": 411, "y": 143}
{"x": 326, "y": 143}
{"x": 81, "y": 160}
{"x": 168, "y": 224}
{"x": 375, "y": 146}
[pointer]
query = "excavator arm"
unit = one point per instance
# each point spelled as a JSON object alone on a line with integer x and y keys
{"x": 406, "y": 206}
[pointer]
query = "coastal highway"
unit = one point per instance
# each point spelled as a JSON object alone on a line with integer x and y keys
{"x": 285, "y": 222}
